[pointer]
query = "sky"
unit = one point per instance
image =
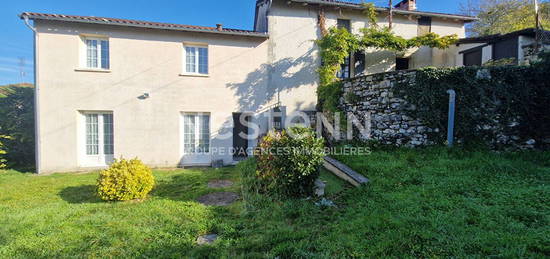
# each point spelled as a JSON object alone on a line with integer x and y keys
{"x": 16, "y": 40}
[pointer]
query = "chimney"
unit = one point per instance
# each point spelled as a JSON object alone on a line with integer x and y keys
{"x": 408, "y": 5}
{"x": 219, "y": 26}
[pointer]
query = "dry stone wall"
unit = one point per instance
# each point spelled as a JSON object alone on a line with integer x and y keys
{"x": 373, "y": 101}
{"x": 373, "y": 98}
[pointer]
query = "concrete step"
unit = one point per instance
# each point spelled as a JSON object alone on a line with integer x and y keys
{"x": 344, "y": 172}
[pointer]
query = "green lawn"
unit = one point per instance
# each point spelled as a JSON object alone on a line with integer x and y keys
{"x": 58, "y": 215}
{"x": 423, "y": 203}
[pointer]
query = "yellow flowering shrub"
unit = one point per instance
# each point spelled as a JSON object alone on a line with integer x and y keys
{"x": 2, "y": 152}
{"x": 125, "y": 180}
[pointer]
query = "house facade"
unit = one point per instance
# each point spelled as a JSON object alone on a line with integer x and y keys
{"x": 180, "y": 95}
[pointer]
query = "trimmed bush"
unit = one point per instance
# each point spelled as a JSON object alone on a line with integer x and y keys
{"x": 288, "y": 162}
{"x": 125, "y": 180}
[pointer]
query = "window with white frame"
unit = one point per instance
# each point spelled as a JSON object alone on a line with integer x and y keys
{"x": 98, "y": 136}
{"x": 195, "y": 60}
{"x": 97, "y": 53}
{"x": 196, "y": 131}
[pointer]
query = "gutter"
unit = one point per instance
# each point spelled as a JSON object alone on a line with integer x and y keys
{"x": 37, "y": 138}
{"x": 380, "y": 9}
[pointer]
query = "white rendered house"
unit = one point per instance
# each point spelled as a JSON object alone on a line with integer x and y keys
{"x": 180, "y": 95}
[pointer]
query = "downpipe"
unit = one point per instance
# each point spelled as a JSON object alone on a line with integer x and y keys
{"x": 36, "y": 97}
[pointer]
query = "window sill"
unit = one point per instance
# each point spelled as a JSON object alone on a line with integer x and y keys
{"x": 97, "y": 70}
{"x": 195, "y": 75}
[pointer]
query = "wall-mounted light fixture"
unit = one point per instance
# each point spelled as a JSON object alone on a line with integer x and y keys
{"x": 144, "y": 96}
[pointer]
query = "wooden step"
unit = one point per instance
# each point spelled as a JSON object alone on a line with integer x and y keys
{"x": 344, "y": 172}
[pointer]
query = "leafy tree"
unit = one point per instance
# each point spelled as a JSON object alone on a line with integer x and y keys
{"x": 504, "y": 16}
{"x": 17, "y": 123}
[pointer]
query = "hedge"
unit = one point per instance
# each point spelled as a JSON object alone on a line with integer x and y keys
{"x": 17, "y": 113}
{"x": 496, "y": 104}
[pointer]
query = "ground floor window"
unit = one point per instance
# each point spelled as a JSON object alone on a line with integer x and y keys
{"x": 98, "y": 137}
{"x": 345, "y": 69}
{"x": 196, "y": 131}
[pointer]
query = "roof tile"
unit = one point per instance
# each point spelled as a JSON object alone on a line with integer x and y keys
{"x": 147, "y": 24}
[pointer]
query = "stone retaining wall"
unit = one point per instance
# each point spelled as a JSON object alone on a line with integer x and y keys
{"x": 373, "y": 97}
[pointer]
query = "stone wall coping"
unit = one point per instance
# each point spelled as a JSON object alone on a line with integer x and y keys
{"x": 351, "y": 79}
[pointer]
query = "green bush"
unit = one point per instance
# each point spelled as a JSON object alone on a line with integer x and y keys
{"x": 288, "y": 162}
{"x": 125, "y": 180}
{"x": 17, "y": 122}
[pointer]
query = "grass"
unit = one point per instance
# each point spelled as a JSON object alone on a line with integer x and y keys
{"x": 420, "y": 203}
{"x": 58, "y": 215}
{"x": 334, "y": 185}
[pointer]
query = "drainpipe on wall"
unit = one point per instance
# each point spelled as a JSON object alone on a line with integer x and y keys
{"x": 36, "y": 94}
{"x": 451, "y": 121}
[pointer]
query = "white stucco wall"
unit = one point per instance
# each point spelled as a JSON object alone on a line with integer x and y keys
{"x": 142, "y": 61}
{"x": 443, "y": 27}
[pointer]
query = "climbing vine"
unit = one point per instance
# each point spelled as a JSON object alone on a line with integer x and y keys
{"x": 337, "y": 44}
{"x": 369, "y": 10}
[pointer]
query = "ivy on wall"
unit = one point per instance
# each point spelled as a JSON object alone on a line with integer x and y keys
{"x": 492, "y": 102}
{"x": 337, "y": 44}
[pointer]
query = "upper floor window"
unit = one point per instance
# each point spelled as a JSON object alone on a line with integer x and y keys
{"x": 345, "y": 69}
{"x": 196, "y": 60}
{"x": 97, "y": 53}
{"x": 343, "y": 23}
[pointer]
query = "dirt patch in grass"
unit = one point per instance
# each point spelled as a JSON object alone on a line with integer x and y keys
{"x": 218, "y": 198}
{"x": 220, "y": 184}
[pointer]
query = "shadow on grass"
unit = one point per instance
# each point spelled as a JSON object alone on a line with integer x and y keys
{"x": 179, "y": 188}
{"x": 80, "y": 194}
{"x": 191, "y": 185}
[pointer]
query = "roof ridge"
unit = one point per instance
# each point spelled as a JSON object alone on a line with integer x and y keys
{"x": 359, "y": 5}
